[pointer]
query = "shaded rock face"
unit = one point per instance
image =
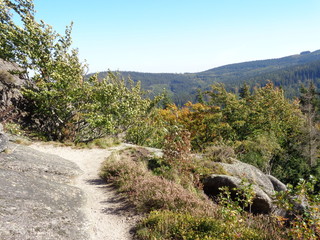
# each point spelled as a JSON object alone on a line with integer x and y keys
{"x": 36, "y": 201}
{"x": 11, "y": 81}
{"x": 262, "y": 203}
{"x": 263, "y": 185}
{"x": 4, "y": 140}
{"x": 246, "y": 171}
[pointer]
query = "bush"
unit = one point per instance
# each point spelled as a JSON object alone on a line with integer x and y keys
{"x": 259, "y": 150}
{"x": 150, "y": 132}
{"x": 302, "y": 223}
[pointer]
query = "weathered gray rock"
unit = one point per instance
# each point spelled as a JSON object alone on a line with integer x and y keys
{"x": 246, "y": 171}
{"x": 3, "y": 142}
{"x": 277, "y": 185}
{"x": 263, "y": 185}
{"x": 36, "y": 201}
{"x": 262, "y": 203}
{"x": 16, "y": 72}
{"x": 11, "y": 81}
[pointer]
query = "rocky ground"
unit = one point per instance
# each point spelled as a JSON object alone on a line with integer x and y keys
{"x": 49, "y": 192}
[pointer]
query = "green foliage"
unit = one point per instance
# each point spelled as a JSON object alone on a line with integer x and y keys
{"x": 103, "y": 143}
{"x": 259, "y": 150}
{"x": 303, "y": 223}
{"x": 244, "y": 91}
{"x": 14, "y": 129}
{"x": 34, "y": 46}
{"x": 54, "y": 101}
{"x": 170, "y": 225}
{"x": 237, "y": 199}
{"x": 166, "y": 101}
{"x": 310, "y": 103}
{"x": 62, "y": 105}
{"x": 263, "y": 128}
{"x": 149, "y": 131}
{"x": 11, "y": 35}
{"x": 160, "y": 167}
{"x": 111, "y": 106}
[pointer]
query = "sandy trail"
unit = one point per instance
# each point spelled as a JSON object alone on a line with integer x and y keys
{"x": 102, "y": 205}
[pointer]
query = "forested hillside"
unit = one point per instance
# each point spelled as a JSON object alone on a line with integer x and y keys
{"x": 288, "y": 72}
{"x": 291, "y": 78}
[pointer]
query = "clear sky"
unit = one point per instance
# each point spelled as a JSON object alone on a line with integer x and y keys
{"x": 183, "y": 35}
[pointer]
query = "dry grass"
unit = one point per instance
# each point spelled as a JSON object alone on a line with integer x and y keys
{"x": 220, "y": 153}
{"x": 23, "y": 141}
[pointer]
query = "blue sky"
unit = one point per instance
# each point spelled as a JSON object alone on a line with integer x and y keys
{"x": 183, "y": 35}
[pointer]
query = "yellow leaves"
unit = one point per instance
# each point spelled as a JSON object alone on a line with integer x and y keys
{"x": 281, "y": 220}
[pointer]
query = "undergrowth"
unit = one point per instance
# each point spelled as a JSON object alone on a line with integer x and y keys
{"x": 174, "y": 212}
{"x": 149, "y": 192}
{"x": 172, "y": 225}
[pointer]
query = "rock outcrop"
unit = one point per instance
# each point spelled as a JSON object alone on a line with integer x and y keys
{"x": 263, "y": 185}
{"x": 11, "y": 81}
{"x": 36, "y": 199}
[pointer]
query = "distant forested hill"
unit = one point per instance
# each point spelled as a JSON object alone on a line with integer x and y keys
{"x": 289, "y": 72}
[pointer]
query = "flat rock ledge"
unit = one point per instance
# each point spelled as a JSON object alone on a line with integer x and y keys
{"x": 37, "y": 199}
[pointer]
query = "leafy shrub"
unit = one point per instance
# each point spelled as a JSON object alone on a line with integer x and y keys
{"x": 62, "y": 104}
{"x": 177, "y": 148}
{"x": 74, "y": 109}
{"x": 14, "y": 129}
{"x": 197, "y": 119}
{"x": 150, "y": 132}
{"x": 237, "y": 199}
{"x": 259, "y": 150}
{"x": 302, "y": 223}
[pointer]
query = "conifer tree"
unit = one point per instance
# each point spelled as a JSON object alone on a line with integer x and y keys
{"x": 311, "y": 134}
{"x": 244, "y": 91}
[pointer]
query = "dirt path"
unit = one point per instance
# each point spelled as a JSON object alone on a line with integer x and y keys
{"x": 103, "y": 209}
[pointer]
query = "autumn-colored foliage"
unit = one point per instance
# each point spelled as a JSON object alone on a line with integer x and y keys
{"x": 195, "y": 118}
